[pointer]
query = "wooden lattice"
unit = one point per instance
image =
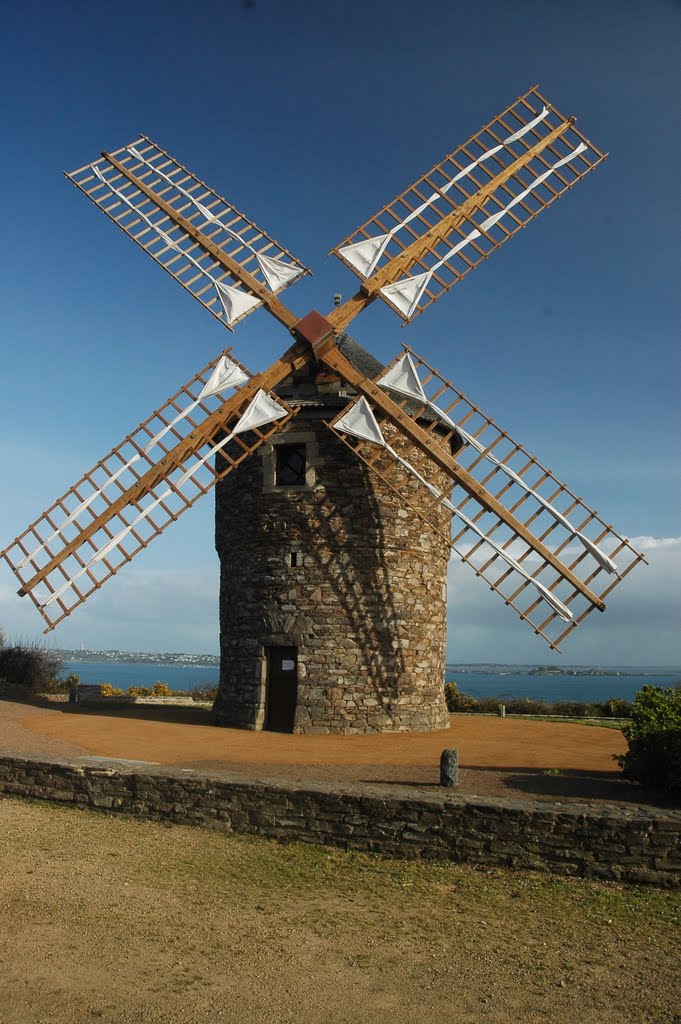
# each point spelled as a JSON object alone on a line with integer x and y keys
{"x": 449, "y": 210}
{"x": 174, "y": 248}
{"x": 573, "y": 556}
{"x": 53, "y": 557}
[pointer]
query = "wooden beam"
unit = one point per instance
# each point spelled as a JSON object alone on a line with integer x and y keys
{"x": 268, "y": 298}
{"x": 341, "y": 316}
{"x": 329, "y": 354}
{"x": 444, "y": 227}
{"x": 296, "y": 356}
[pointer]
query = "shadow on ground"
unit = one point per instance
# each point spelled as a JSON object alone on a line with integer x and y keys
{"x": 536, "y": 784}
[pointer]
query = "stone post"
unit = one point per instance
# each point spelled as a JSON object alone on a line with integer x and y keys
{"x": 449, "y": 767}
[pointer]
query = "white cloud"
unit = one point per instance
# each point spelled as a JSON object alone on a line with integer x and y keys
{"x": 152, "y": 610}
{"x": 639, "y": 627}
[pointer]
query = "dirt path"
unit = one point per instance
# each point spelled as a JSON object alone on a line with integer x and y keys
{"x": 153, "y": 735}
{"x": 122, "y": 921}
{"x": 500, "y": 757}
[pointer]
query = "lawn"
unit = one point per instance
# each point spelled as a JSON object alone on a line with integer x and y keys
{"x": 120, "y": 920}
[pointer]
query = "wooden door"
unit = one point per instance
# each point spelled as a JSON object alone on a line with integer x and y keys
{"x": 282, "y": 688}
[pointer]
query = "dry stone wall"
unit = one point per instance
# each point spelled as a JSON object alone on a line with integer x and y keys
{"x": 362, "y": 599}
{"x": 598, "y": 841}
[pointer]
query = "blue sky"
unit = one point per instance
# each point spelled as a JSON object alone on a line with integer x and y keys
{"x": 309, "y": 116}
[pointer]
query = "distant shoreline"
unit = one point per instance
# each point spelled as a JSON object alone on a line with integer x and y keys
{"x": 86, "y": 657}
{"x": 116, "y": 657}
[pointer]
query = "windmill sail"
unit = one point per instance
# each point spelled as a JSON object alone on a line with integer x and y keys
{"x": 467, "y": 205}
{"x": 586, "y": 549}
{"x": 146, "y": 208}
{"x": 142, "y": 486}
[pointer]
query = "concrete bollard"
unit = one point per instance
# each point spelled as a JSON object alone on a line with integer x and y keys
{"x": 502, "y": 711}
{"x": 449, "y": 767}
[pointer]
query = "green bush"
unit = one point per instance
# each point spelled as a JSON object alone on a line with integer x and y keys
{"x": 654, "y": 738}
{"x": 31, "y": 667}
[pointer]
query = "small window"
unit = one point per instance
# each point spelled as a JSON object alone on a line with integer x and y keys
{"x": 290, "y": 470}
{"x": 293, "y": 559}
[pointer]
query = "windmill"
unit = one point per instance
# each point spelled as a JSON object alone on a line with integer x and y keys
{"x": 406, "y": 455}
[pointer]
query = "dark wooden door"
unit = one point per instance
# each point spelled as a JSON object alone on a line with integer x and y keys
{"x": 282, "y": 688}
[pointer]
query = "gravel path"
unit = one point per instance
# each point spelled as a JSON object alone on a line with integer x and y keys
{"x": 500, "y": 757}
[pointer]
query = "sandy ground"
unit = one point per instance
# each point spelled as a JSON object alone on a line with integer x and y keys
{"x": 505, "y": 757}
{"x": 122, "y": 921}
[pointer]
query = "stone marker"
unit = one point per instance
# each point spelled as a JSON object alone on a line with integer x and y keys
{"x": 502, "y": 711}
{"x": 449, "y": 767}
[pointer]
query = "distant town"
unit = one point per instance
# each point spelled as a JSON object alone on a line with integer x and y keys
{"x": 85, "y": 656}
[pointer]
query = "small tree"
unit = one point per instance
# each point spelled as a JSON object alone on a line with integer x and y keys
{"x": 654, "y": 739}
{"x": 30, "y": 667}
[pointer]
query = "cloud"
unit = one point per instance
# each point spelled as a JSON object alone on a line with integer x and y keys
{"x": 152, "y": 610}
{"x": 639, "y": 627}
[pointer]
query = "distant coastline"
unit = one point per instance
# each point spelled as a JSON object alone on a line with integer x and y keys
{"x": 116, "y": 657}
{"x": 186, "y": 672}
{"x": 567, "y": 670}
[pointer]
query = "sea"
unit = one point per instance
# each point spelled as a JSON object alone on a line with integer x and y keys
{"x": 504, "y": 681}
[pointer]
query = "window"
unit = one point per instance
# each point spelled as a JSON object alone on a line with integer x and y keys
{"x": 290, "y": 466}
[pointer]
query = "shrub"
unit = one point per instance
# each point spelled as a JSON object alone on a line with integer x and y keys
{"x": 654, "y": 738}
{"x": 459, "y": 701}
{"x": 139, "y": 691}
{"x": 107, "y": 690}
{"x": 157, "y": 690}
{"x": 204, "y": 693}
{"x": 31, "y": 667}
{"x": 161, "y": 690}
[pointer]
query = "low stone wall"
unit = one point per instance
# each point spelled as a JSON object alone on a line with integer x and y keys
{"x": 601, "y": 841}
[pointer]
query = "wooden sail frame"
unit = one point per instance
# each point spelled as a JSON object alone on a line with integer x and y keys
{"x": 189, "y": 262}
{"x": 484, "y": 560}
{"x": 466, "y": 204}
{"x": 53, "y": 551}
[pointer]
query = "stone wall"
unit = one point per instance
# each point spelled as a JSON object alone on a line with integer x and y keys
{"x": 599, "y": 841}
{"x": 364, "y": 601}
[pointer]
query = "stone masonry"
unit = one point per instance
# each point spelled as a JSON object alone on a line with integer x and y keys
{"x": 627, "y": 844}
{"x": 341, "y": 570}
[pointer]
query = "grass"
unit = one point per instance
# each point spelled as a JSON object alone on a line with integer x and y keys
{"x": 123, "y": 920}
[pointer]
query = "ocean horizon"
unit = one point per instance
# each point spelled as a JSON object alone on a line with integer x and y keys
{"x": 575, "y": 683}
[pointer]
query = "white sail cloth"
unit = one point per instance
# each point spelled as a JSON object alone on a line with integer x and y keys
{"x": 235, "y": 301}
{"x": 365, "y": 255}
{"x": 359, "y": 421}
{"x": 277, "y": 273}
{"x": 406, "y": 293}
{"x": 404, "y": 379}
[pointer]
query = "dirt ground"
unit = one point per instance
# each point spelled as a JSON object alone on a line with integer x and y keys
{"x": 122, "y": 921}
{"x": 508, "y": 757}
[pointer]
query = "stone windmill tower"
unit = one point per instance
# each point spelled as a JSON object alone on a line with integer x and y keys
{"x": 343, "y": 485}
{"x": 332, "y": 593}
